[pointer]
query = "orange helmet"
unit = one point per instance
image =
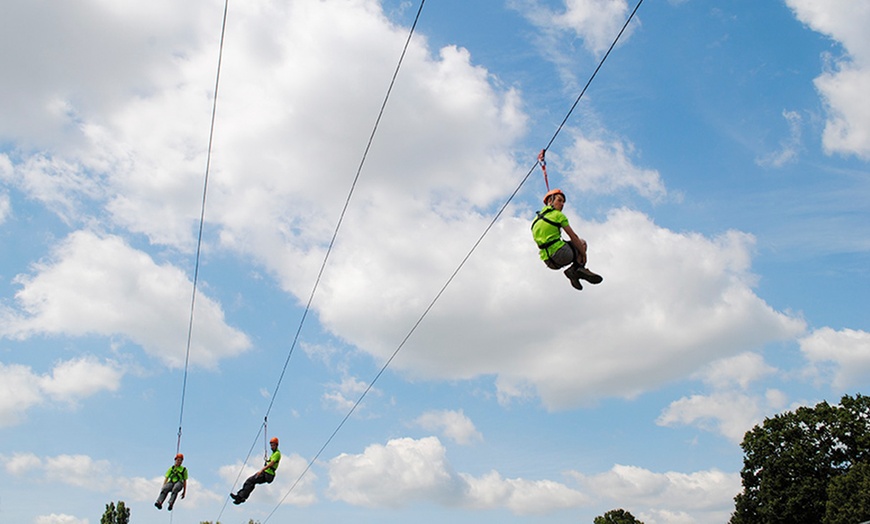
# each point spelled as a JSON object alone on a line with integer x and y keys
{"x": 553, "y": 192}
{"x": 274, "y": 440}
{"x": 179, "y": 456}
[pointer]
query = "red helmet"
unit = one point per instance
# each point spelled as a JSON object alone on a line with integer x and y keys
{"x": 553, "y": 192}
{"x": 179, "y": 456}
{"x": 274, "y": 440}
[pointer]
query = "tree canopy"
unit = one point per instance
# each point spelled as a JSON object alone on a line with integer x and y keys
{"x": 119, "y": 514}
{"x": 617, "y": 516}
{"x": 803, "y": 466}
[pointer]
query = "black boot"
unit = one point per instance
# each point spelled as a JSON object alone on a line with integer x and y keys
{"x": 574, "y": 277}
{"x": 587, "y": 275}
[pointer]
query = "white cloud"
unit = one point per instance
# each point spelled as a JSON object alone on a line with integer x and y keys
{"x": 840, "y": 357}
{"x": 21, "y": 464}
{"x": 728, "y": 413}
{"x": 81, "y": 470}
{"x": 406, "y": 471}
{"x": 68, "y": 382}
{"x": 402, "y": 472}
{"x": 731, "y": 409}
{"x": 279, "y": 182}
{"x": 680, "y": 300}
{"x": 597, "y": 22}
{"x": 740, "y": 370}
{"x": 61, "y": 518}
{"x": 64, "y": 186}
{"x": 100, "y": 285}
{"x": 521, "y": 496}
{"x": 5, "y": 207}
{"x": 705, "y": 496}
{"x": 81, "y": 377}
{"x": 344, "y": 395}
{"x": 843, "y": 85}
{"x": 76, "y": 470}
{"x": 452, "y": 424}
{"x": 599, "y": 166}
{"x": 19, "y": 391}
{"x": 87, "y": 59}
{"x": 789, "y": 147}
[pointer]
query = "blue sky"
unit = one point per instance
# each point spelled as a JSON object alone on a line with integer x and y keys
{"x": 717, "y": 166}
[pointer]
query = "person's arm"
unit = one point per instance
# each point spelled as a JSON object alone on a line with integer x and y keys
{"x": 578, "y": 243}
{"x": 184, "y": 489}
{"x": 267, "y": 466}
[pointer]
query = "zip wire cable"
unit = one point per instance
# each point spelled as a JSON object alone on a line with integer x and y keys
{"x": 344, "y": 209}
{"x": 594, "y": 73}
{"x": 337, "y": 229}
{"x": 450, "y": 279}
{"x": 201, "y": 223}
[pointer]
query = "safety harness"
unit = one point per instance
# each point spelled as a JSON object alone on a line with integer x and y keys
{"x": 177, "y": 474}
{"x": 543, "y": 216}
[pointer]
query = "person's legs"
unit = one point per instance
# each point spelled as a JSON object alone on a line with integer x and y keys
{"x": 566, "y": 256}
{"x": 578, "y": 268}
{"x": 163, "y": 492}
{"x": 248, "y": 487}
{"x": 175, "y": 489}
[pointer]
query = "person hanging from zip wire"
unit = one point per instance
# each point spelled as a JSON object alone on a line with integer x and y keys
{"x": 265, "y": 476}
{"x": 556, "y": 252}
{"x": 175, "y": 481}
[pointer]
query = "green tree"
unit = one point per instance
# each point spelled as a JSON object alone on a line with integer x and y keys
{"x": 617, "y": 516}
{"x": 119, "y": 514}
{"x": 849, "y": 497}
{"x": 791, "y": 459}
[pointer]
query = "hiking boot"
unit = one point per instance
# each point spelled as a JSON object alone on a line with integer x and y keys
{"x": 574, "y": 277}
{"x": 158, "y": 505}
{"x": 587, "y": 275}
{"x": 169, "y": 507}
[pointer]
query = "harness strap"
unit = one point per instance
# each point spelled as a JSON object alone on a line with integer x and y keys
{"x": 543, "y": 161}
{"x": 543, "y": 216}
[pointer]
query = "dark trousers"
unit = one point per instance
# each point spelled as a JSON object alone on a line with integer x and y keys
{"x": 253, "y": 480}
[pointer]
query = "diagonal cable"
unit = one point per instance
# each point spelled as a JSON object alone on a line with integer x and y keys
{"x": 450, "y": 279}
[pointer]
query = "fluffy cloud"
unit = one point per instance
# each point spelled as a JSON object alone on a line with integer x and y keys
{"x": 600, "y": 166}
{"x": 704, "y": 496}
{"x": 100, "y": 285}
{"x": 490, "y": 321}
{"x": 732, "y": 408}
{"x": 740, "y": 370}
{"x": 5, "y": 207}
{"x": 69, "y": 381}
{"x": 273, "y": 202}
{"x": 406, "y": 470}
{"x": 597, "y": 22}
{"x": 452, "y": 424}
{"x": 61, "y": 518}
{"x": 81, "y": 470}
{"x": 19, "y": 391}
{"x": 345, "y": 395}
{"x": 843, "y": 85}
{"x": 840, "y": 357}
{"x": 521, "y": 496}
{"x": 728, "y": 413}
{"x": 401, "y": 472}
{"x": 80, "y": 377}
